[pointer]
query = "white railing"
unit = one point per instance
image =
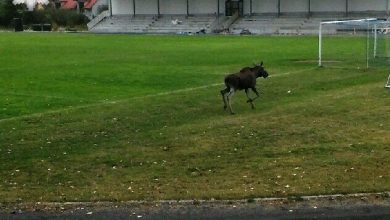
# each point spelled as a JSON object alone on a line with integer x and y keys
{"x": 230, "y": 21}
{"x": 216, "y": 25}
{"x": 97, "y": 19}
{"x": 223, "y": 23}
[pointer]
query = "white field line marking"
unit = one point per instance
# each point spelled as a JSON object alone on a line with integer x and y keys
{"x": 296, "y": 71}
{"x": 101, "y": 103}
{"x": 35, "y": 95}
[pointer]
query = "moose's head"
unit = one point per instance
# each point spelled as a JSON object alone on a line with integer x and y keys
{"x": 260, "y": 71}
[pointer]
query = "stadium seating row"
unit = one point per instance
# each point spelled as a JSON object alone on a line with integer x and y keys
{"x": 207, "y": 24}
{"x": 152, "y": 24}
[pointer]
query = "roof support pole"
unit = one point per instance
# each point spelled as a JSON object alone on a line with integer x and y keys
{"x": 134, "y": 8}
{"x": 387, "y": 7}
{"x": 346, "y": 8}
{"x": 278, "y": 8}
{"x": 110, "y": 7}
{"x": 158, "y": 8}
{"x": 217, "y": 8}
{"x": 309, "y": 8}
{"x": 188, "y": 11}
{"x": 250, "y": 8}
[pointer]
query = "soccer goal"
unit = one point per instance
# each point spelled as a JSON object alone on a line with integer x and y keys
{"x": 359, "y": 43}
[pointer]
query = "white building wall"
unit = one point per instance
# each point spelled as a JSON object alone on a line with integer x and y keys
{"x": 327, "y": 6}
{"x": 222, "y": 6}
{"x": 246, "y": 4}
{"x": 265, "y": 6}
{"x": 172, "y": 7}
{"x": 294, "y": 6}
{"x": 258, "y": 6}
{"x": 120, "y": 7}
{"x": 202, "y": 6}
{"x": 146, "y": 7}
{"x": 367, "y": 5}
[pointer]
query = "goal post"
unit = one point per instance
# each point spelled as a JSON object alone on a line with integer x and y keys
{"x": 382, "y": 42}
{"x": 387, "y": 85}
{"x": 373, "y": 32}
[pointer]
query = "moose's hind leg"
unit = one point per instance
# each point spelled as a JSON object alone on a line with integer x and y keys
{"x": 223, "y": 93}
{"x": 229, "y": 100}
{"x": 247, "y": 95}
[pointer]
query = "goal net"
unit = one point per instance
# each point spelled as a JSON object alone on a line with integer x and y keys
{"x": 359, "y": 43}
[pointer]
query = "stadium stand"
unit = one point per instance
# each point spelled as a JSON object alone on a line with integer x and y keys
{"x": 181, "y": 25}
{"x": 295, "y": 17}
{"x": 155, "y": 25}
{"x": 276, "y": 25}
{"x": 124, "y": 24}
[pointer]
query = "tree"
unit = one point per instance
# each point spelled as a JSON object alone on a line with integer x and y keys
{"x": 7, "y": 12}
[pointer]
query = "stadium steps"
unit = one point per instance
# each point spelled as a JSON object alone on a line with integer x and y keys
{"x": 152, "y": 24}
{"x": 181, "y": 25}
{"x": 279, "y": 26}
{"x": 124, "y": 24}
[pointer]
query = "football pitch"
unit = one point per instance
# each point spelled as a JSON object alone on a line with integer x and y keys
{"x": 131, "y": 117}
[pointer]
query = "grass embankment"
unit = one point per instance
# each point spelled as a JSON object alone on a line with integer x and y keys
{"x": 329, "y": 134}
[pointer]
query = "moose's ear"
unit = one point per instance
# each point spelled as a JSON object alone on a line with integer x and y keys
{"x": 261, "y": 64}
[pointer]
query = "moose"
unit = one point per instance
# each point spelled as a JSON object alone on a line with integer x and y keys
{"x": 245, "y": 79}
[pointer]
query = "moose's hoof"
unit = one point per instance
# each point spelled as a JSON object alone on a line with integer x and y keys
{"x": 225, "y": 107}
{"x": 232, "y": 113}
{"x": 249, "y": 100}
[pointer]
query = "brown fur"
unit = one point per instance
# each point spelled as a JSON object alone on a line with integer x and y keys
{"x": 243, "y": 80}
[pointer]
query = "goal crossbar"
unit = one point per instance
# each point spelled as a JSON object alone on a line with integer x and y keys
{"x": 349, "y": 21}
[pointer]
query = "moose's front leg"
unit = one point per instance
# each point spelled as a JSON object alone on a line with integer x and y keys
{"x": 247, "y": 95}
{"x": 256, "y": 92}
{"x": 249, "y": 99}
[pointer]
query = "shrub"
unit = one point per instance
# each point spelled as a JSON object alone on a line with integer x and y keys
{"x": 36, "y": 17}
{"x": 68, "y": 18}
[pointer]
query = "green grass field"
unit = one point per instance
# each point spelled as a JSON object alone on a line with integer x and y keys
{"x": 123, "y": 117}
